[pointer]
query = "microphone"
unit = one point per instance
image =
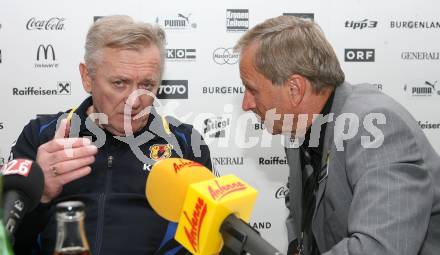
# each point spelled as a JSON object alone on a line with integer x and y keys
{"x": 211, "y": 212}
{"x": 23, "y": 184}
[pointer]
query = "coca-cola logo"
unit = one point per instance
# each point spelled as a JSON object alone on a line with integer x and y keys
{"x": 282, "y": 192}
{"x": 53, "y": 23}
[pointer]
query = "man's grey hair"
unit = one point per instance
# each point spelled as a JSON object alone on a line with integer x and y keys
{"x": 121, "y": 32}
{"x": 289, "y": 45}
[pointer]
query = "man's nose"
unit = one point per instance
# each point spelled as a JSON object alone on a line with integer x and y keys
{"x": 248, "y": 101}
{"x": 134, "y": 98}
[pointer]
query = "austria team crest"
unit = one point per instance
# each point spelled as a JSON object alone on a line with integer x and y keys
{"x": 160, "y": 151}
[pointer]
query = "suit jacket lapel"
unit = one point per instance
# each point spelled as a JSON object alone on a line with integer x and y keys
{"x": 341, "y": 94}
{"x": 295, "y": 193}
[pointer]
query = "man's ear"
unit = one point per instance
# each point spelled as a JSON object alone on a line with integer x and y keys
{"x": 85, "y": 78}
{"x": 297, "y": 86}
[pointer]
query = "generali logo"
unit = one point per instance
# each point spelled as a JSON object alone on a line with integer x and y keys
{"x": 219, "y": 191}
{"x": 195, "y": 222}
{"x": 178, "y": 167}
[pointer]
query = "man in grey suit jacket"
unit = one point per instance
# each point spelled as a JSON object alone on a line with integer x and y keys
{"x": 363, "y": 177}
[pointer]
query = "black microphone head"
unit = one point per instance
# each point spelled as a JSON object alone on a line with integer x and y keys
{"x": 25, "y": 176}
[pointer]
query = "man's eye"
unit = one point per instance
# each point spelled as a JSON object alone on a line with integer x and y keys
{"x": 118, "y": 83}
{"x": 146, "y": 86}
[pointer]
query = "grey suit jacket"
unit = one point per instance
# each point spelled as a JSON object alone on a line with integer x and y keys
{"x": 383, "y": 200}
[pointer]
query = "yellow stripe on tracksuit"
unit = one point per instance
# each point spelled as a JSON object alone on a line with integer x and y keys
{"x": 165, "y": 124}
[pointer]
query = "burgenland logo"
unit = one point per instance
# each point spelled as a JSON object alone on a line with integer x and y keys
{"x": 307, "y": 16}
{"x": 223, "y": 56}
{"x": 274, "y": 160}
{"x": 181, "y": 55}
{"x": 53, "y": 23}
{"x": 237, "y": 20}
{"x": 216, "y": 127}
{"x": 361, "y": 24}
{"x": 259, "y": 126}
{"x": 227, "y": 161}
{"x": 180, "y": 22}
{"x": 223, "y": 90}
{"x": 420, "y": 55}
{"x": 173, "y": 89}
{"x": 412, "y": 24}
{"x": 195, "y": 223}
{"x": 428, "y": 124}
{"x": 260, "y": 224}
{"x": 359, "y": 55}
{"x": 427, "y": 89}
{"x": 282, "y": 192}
{"x": 62, "y": 88}
{"x": 46, "y": 57}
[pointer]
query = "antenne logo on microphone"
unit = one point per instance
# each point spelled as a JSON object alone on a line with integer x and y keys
{"x": 195, "y": 221}
{"x": 219, "y": 191}
{"x": 178, "y": 167}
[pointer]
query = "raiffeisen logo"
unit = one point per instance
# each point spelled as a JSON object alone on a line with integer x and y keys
{"x": 219, "y": 191}
{"x": 272, "y": 161}
{"x": 62, "y": 88}
{"x": 195, "y": 222}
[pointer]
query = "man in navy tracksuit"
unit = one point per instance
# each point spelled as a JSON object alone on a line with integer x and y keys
{"x": 101, "y": 152}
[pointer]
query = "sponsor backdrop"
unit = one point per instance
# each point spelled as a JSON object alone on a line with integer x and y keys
{"x": 392, "y": 44}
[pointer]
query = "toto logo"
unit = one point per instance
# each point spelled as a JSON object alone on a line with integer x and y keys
{"x": 282, "y": 192}
{"x": 173, "y": 89}
{"x": 223, "y": 56}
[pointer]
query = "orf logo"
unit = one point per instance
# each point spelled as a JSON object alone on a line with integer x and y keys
{"x": 223, "y": 56}
{"x": 359, "y": 55}
{"x": 44, "y": 49}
